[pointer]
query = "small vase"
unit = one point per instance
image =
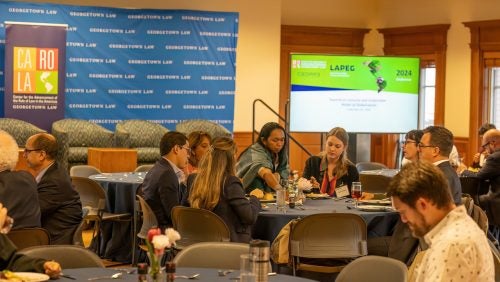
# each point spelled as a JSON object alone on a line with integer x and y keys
{"x": 155, "y": 272}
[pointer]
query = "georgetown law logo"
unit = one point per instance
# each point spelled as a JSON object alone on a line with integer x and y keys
{"x": 35, "y": 70}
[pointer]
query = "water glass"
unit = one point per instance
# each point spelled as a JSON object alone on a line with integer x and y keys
{"x": 280, "y": 199}
{"x": 247, "y": 265}
{"x": 356, "y": 192}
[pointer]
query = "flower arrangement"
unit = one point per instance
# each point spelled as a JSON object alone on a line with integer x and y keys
{"x": 157, "y": 243}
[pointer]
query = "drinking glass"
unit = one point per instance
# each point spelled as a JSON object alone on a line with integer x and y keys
{"x": 247, "y": 265}
{"x": 280, "y": 199}
{"x": 356, "y": 192}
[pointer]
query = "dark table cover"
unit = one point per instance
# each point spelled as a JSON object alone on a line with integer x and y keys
{"x": 121, "y": 189}
{"x": 116, "y": 236}
{"x": 206, "y": 274}
{"x": 270, "y": 221}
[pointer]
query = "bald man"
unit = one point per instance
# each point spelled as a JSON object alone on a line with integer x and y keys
{"x": 490, "y": 171}
{"x": 59, "y": 202}
{"x": 17, "y": 188}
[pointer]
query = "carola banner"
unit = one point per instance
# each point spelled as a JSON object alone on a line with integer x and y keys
{"x": 35, "y": 72}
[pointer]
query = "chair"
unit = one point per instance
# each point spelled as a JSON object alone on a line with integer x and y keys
{"x": 75, "y": 136}
{"x": 214, "y": 129}
{"x": 83, "y": 170}
{"x": 470, "y": 185}
{"x": 198, "y": 225}
{"x": 374, "y": 268}
{"x": 376, "y": 181}
{"x": 68, "y": 256}
{"x": 222, "y": 255}
{"x": 362, "y": 166}
{"x": 143, "y": 168}
{"x": 327, "y": 236}
{"x": 93, "y": 197}
{"x": 19, "y": 129}
{"x": 28, "y": 237}
{"x": 78, "y": 235}
{"x": 142, "y": 135}
{"x": 148, "y": 221}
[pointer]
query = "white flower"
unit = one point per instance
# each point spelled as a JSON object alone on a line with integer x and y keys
{"x": 304, "y": 184}
{"x": 160, "y": 242}
{"x": 172, "y": 235}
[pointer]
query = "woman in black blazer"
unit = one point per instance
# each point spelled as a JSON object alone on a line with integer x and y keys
{"x": 332, "y": 172}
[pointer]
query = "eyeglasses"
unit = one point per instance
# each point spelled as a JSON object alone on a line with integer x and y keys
{"x": 485, "y": 145}
{"x": 27, "y": 151}
{"x": 406, "y": 142}
{"x": 421, "y": 145}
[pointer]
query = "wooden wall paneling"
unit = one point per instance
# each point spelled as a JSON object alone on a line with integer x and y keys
{"x": 309, "y": 39}
{"x": 462, "y": 144}
{"x": 242, "y": 140}
{"x": 429, "y": 43}
{"x": 384, "y": 148}
{"x": 485, "y": 44}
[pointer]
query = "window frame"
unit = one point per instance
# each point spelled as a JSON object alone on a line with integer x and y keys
{"x": 485, "y": 53}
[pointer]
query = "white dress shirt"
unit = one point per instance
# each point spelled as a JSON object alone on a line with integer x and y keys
{"x": 458, "y": 251}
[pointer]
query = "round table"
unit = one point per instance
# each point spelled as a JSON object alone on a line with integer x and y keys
{"x": 270, "y": 220}
{"x": 120, "y": 188}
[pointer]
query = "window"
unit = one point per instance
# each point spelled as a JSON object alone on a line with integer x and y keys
{"x": 427, "y": 96}
{"x": 494, "y": 96}
{"x": 485, "y": 64}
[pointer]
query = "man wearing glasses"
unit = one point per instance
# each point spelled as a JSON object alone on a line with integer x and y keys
{"x": 17, "y": 188}
{"x": 435, "y": 147}
{"x": 164, "y": 185}
{"x": 490, "y": 171}
{"x": 480, "y": 157}
{"x": 59, "y": 203}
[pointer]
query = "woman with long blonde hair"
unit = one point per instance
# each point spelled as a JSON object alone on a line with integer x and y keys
{"x": 216, "y": 188}
{"x": 332, "y": 171}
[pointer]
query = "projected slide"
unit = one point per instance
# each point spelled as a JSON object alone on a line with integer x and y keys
{"x": 362, "y": 94}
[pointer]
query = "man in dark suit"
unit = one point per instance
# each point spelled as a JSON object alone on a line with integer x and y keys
{"x": 435, "y": 147}
{"x": 17, "y": 188}
{"x": 59, "y": 202}
{"x": 490, "y": 171}
{"x": 164, "y": 185}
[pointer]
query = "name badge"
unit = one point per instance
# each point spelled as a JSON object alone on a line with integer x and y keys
{"x": 342, "y": 191}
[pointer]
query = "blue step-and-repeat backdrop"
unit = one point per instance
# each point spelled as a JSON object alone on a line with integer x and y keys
{"x": 161, "y": 65}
